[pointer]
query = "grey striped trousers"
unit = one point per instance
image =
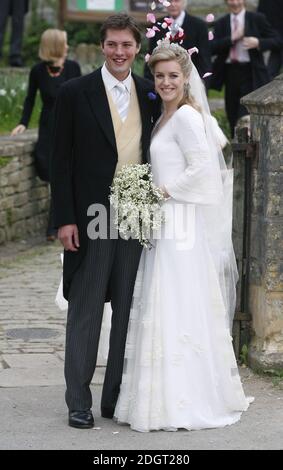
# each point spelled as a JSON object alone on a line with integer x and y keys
{"x": 111, "y": 263}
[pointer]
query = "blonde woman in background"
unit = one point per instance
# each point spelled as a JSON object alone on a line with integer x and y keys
{"x": 47, "y": 76}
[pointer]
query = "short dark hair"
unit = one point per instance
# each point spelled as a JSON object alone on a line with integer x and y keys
{"x": 120, "y": 21}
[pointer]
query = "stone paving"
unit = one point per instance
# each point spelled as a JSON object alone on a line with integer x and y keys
{"x": 32, "y": 409}
{"x": 32, "y": 328}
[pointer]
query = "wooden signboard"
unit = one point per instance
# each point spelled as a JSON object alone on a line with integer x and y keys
{"x": 99, "y": 10}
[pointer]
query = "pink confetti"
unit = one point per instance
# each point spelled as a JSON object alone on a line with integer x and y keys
{"x": 147, "y": 57}
{"x": 207, "y": 74}
{"x": 168, "y": 20}
{"x": 155, "y": 28}
{"x": 210, "y": 18}
{"x": 164, "y": 25}
{"x": 210, "y": 36}
{"x": 166, "y": 4}
{"x": 150, "y": 33}
{"x": 193, "y": 50}
{"x": 150, "y": 18}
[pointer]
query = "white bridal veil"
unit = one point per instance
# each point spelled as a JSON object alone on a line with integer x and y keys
{"x": 218, "y": 218}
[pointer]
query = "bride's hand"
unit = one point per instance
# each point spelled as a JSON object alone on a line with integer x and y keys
{"x": 69, "y": 237}
{"x": 165, "y": 194}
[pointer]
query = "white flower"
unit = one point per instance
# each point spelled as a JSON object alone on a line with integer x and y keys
{"x": 136, "y": 201}
{"x": 3, "y": 92}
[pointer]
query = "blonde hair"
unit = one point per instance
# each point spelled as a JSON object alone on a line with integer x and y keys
{"x": 52, "y": 45}
{"x": 167, "y": 51}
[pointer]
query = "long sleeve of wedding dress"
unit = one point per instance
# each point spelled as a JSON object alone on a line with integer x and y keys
{"x": 199, "y": 183}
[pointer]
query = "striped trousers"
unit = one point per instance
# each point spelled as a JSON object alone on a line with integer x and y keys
{"x": 108, "y": 264}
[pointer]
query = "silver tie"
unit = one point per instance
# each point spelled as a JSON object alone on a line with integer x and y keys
{"x": 174, "y": 28}
{"x": 122, "y": 100}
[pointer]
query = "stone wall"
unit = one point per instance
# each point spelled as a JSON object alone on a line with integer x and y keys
{"x": 24, "y": 198}
{"x": 266, "y": 274}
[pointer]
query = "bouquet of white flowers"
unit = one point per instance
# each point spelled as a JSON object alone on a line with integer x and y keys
{"x": 137, "y": 203}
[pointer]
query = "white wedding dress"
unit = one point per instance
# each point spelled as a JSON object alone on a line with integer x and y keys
{"x": 180, "y": 370}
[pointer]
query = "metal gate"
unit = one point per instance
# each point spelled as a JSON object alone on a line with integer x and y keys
{"x": 245, "y": 159}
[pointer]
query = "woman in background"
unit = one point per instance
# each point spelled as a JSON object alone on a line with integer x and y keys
{"x": 47, "y": 76}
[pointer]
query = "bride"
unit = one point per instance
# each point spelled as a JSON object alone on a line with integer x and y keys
{"x": 180, "y": 370}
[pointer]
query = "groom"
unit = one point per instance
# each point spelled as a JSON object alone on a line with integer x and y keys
{"x": 103, "y": 120}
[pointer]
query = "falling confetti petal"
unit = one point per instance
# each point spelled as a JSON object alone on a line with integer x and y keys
{"x": 210, "y": 18}
{"x": 168, "y": 20}
{"x": 150, "y": 33}
{"x": 207, "y": 74}
{"x": 153, "y": 6}
{"x": 150, "y": 18}
{"x": 210, "y": 36}
{"x": 193, "y": 50}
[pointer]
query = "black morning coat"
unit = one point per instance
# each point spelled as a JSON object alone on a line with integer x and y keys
{"x": 84, "y": 155}
{"x": 255, "y": 25}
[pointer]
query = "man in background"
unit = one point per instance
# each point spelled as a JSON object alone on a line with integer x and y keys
{"x": 240, "y": 38}
{"x": 273, "y": 10}
{"x": 196, "y": 35}
{"x": 17, "y": 10}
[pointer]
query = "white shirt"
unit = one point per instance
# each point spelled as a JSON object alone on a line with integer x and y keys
{"x": 243, "y": 54}
{"x": 180, "y": 19}
{"x": 110, "y": 81}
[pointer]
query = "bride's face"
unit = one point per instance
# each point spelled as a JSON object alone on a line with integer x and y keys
{"x": 169, "y": 81}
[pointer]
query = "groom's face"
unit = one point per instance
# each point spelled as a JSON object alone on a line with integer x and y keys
{"x": 120, "y": 49}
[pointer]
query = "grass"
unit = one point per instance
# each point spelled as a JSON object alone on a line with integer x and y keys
{"x": 214, "y": 94}
{"x": 222, "y": 120}
{"x": 244, "y": 355}
{"x": 4, "y": 161}
{"x": 275, "y": 374}
{"x": 12, "y": 94}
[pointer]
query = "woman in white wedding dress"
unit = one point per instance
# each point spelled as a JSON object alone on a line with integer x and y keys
{"x": 180, "y": 369}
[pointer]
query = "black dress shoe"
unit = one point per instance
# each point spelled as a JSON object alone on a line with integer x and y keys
{"x": 107, "y": 413}
{"x": 81, "y": 419}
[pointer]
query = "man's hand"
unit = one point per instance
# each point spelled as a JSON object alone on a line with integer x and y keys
{"x": 69, "y": 237}
{"x": 237, "y": 35}
{"x": 250, "y": 42}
